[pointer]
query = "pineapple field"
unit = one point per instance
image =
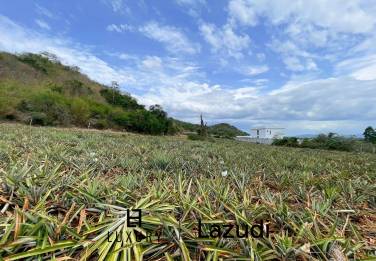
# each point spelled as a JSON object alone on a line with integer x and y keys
{"x": 69, "y": 194}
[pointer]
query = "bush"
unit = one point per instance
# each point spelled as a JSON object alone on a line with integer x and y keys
{"x": 99, "y": 110}
{"x": 10, "y": 116}
{"x": 39, "y": 118}
{"x": 76, "y": 88}
{"x": 286, "y": 141}
{"x": 36, "y": 61}
{"x": 172, "y": 127}
{"x": 322, "y": 141}
{"x": 56, "y": 88}
{"x": 80, "y": 111}
{"x": 339, "y": 143}
{"x": 114, "y": 97}
{"x": 194, "y": 136}
{"x": 25, "y": 106}
{"x": 121, "y": 118}
{"x": 54, "y": 105}
{"x": 99, "y": 124}
{"x": 146, "y": 122}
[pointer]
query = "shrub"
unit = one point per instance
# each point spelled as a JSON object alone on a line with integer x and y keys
{"x": 25, "y": 106}
{"x": 54, "y": 105}
{"x": 322, "y": 141}
{"x": 172, "y": 127}
{"x": 39, "y": 118}
{"x": 56, "y": 87}
{"x": 114, "y": 97}
{"x": 10, "y": 116}
{"x": 80, "y": 111}
{"x": 99, "y": 123}
{"x": 76, "y": 88}
{"x": 121, "y": 118}
{"x": 99, "y": 110}
{"x": 339, "y": 143}
{"x": 194, "y": 136}
{"x": 286, "y": 141}
{"x": 36, "y": 61}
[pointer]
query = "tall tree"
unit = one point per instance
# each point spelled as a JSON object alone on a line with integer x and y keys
{"x": 115, "y": 89}
{"x": 369, "y": 134}
{"x": 158, "y": 111}
{"x": 203, "y": 128}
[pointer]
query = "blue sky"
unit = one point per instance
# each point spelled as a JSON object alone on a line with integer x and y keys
{"x": 308, "y": 66}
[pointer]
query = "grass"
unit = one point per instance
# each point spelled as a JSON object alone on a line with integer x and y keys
{"x": 63, "y": 190}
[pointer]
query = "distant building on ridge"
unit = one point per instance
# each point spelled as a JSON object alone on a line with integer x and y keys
{"x": 267, "y": 133}
{"x": 264, "y": 135}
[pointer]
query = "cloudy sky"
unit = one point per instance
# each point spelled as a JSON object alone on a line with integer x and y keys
{"x": 308, "y": 66}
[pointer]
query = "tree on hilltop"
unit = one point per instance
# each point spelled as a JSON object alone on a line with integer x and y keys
{"x": 369, "y": 135}
{"x": 203, "y": 130}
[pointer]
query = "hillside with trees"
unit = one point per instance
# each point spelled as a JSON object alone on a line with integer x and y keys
{"x": 37, "y": 89}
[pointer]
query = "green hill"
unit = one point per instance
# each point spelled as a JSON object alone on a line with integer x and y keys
{"x": 224, "y": 130}
{"x": 37, "y": 89}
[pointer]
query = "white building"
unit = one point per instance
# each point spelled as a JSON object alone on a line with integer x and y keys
{"x": 267, "y": 133}
{"x": 263, "y": 135}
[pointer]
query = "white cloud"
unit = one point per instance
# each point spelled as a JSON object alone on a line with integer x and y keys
{"x": 295, "y": 64}
{"x": 299, "y": 127}
{"x": 17, "y": 39}
{"x": 261, "y": 57}
{"x": 293, "y": 57}
{"x": 242, "y": 12}
{"x": 174, "y": 40}
{"x": 44, "y": 11}
{"x": 361, "y": 68}
{"x": 366, "y": 73}
{"x": 125, "y": 56}
{"x": 259, "y": 82}
{"x": 325, "y": 100}
{"x": 255, "y": 70}
{"x": 118, "y": 6}
{"x": 190, "y": 2}
{"x": 245, "y": 93}
{"x": 120, "y": 28}
{"x": 289, "y": 48}
{"x": 152, "y": 62}
{"x": 340, "y": 16}
{"x": 307, "y": 34}
{"x": 330, "y": 26}
{"x": 192, "y": 7}
{"x": 224, "y": 40}
{"x": 42, "y": 24}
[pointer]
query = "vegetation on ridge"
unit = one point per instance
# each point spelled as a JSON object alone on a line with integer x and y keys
{"x": 331, "y": 141}
{"x": 223, "y": 130}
